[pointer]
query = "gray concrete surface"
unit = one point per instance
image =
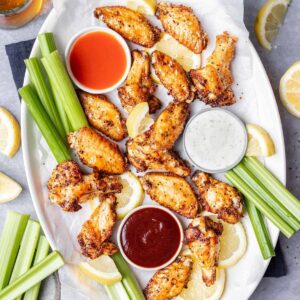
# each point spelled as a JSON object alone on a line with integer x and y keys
{"x": 285, "y": 52}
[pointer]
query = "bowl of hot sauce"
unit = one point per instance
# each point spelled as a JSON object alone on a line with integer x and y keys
{"x": 98, "y": 59}
{"x": 150, "y": 237}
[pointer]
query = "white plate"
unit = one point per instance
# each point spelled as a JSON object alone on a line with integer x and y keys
{"x": 257, "y": 105}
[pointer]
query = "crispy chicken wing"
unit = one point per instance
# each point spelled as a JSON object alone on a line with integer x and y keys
{"x": 202, "y": 237}
{"x": 97, "y": 152}
{"x": 95, "y": 232}
{"x": 213, "y": 82}
{"x": 173, "y": 77}
{"x": 68, "y": 187}
{"x": 219, "y": 197}
{"x": 169, "y": 282}
{"x": 129, "y": 23}
{"x": 180, "y": 22}
{"x": 103, "y": 115}
{"x": 139, "y": 86}
{"x": 171, "y": 191}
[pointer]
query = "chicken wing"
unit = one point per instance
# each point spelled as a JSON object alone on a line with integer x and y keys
{"x": 68, "y": 187}
{"x": 130, "y": 24}
{"x": 139, "y": 86}
{"x": 95, "y": 232}
{"x": 180, "y": 22}
{"x": 170, "y": 281}
{"x": 173, "y": 77}
{"x": 213, "y": 82}
{"x": 171, "y": 191}
{"x": 202, "y": 237}
{"x": 103, "y": 115}
{"x": 219, "y": 197}
{"x": 97, "y": 152}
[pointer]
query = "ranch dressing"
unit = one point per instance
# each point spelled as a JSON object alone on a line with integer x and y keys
{"x": 215, "y": 140}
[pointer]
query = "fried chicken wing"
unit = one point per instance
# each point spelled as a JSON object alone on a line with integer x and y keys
{"x": 173, "y": 77}
{"x": 219, "y": 197}
{"x": 129, "y": 23}
{"x": 213, "y": 82}
{"x": 103, "y": 115}
{"x": 202, "y": 237}
{"x": 170, "y": 281}
{"x": 68, "y": 187}
{"x": 139, "y": 86}
{"x": 181, "y": 23}
{"x": 171, "y": 191}
{"x": 95, "y": 232}
{"x": 97, "y": 152}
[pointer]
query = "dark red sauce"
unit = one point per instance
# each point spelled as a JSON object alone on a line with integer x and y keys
{"x": 150, "y": 237}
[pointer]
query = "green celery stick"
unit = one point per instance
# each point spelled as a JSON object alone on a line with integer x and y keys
{"x": 47, "y": 43}
{"x": 116, "y": 291}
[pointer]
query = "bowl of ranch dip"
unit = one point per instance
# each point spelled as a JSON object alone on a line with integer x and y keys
{"x": 215, "y": 140}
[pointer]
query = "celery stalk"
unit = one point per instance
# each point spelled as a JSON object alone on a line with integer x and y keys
{"x": 41, "y": 253}
{"x": 256, "y": 185}
{"x": 273, "y": 185}
{"x": 26, "y": 251}
{"x": 33, "y": 276}
{"x": 48, "y": 130}
{"x": 260, "y": 204}
{"x": 47, "y": 43}
{"x": 116, "y": 291}
{"x": 260, "y": 230}
{"x": 61, "y": 82}
{"x": 128, "y": 279}
{"x": 11, "y": 237}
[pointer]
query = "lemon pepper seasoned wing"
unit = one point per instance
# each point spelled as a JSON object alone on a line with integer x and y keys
{"x": 213, "y": 82}
{"x": 202, "y": 237}
{"x": 95, "y": 232}
{"x": 103, "y": 115}
{"x": 139, "y": 86}
{"x": 173, "y": 77}
{"x": 170, "y": 281}
{"x": 171, "y": 191}
{"x": 130, "y": 24}
{"x": 219, "y": 197}
{"x": 180, "y": 22}
{"x": 97, "y": 152}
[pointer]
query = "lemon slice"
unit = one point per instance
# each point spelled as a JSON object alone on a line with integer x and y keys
{"x": 139, "y": 120}
{"x": 131, "y": 196}
{"x": 167, "y": 44}
{"x": 102, "y": 270}
{"x": 10, "y": 136}
{"x": 289, "y": 89}
{"x": 9, "y": 189}
{"x": 269, "y": 20}
{"x": 259, "y": 141}
{"x": 147, "y": 7}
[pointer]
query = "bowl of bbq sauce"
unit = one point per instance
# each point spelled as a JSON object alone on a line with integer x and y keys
{"x": 150, "y": 237}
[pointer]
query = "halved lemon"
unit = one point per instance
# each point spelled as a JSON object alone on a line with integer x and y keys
{"x": 10, "y": 136}
{"x": 102, "y": 270}
{"x": 139, "y": 120}
{"x": 9, "y": 189}
{"x": 289, "y": 89}
{"x": 260, "y": 142}
{"x": 167, "y": 44}
{"x": 147, "y": 7}
{"x": 269, "y": 20}
{"x": 131, "y": 196}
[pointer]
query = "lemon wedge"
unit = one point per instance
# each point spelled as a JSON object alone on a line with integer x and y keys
{"x": 10, "y": 136}
{"x": 102, "y": 270}
{"x": 9, "y": 189}
{"x": 269, "y": 20}
{"x": 131, "y": 196}
{"x": 167, "y": 44}
{"x": 289, "y": 89}
{"x": 147, "y": 7}
{"x": 139, "y": 120}
{"x": 259, "y": 141}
